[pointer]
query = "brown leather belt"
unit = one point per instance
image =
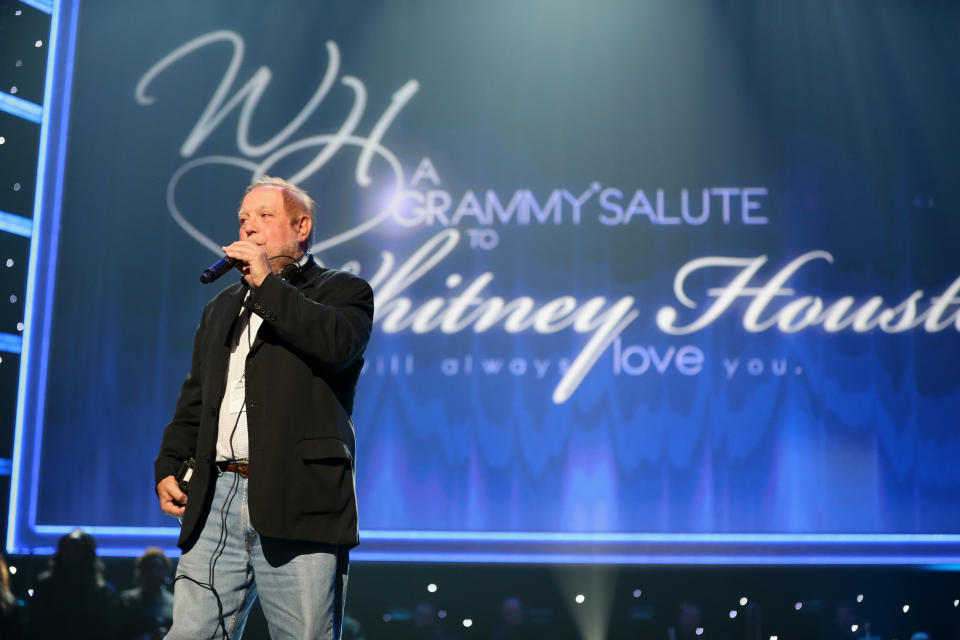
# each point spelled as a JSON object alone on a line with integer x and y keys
{"x": 241, "y": 467}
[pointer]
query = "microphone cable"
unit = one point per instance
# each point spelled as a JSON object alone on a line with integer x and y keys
{"x": 235, "y": 484}
{"x": 224, "y": 509}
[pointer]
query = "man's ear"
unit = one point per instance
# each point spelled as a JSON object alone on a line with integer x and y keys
{"x": 304, "y": 227}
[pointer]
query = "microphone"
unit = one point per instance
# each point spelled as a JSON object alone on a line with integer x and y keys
{"x": 218, "y": 268}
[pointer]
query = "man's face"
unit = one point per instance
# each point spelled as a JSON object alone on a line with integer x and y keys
{"x": 265, "y": 222}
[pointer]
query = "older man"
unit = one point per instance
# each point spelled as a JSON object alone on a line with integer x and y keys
{"x": 265, "y": 413}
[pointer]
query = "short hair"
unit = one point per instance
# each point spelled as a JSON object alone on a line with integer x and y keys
{"x": 152, "y": 553}
{"x": 296, "y": 201}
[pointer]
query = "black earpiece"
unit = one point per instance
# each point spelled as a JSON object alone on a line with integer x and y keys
{"x": 292, "y": 273}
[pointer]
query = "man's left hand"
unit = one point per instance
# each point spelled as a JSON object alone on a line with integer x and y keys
{"x": 256, "y": 266}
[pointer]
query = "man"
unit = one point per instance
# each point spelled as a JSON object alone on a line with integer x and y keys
{"x": 265, "y": 413}
{"x": 73, "y": 599}
{"x": 147, "y": 609}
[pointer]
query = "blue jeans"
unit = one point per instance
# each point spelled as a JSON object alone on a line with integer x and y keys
{"x": 301, "y": 585}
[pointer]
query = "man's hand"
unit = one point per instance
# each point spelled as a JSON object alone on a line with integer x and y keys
{"x": 172, "y": 500}
{"x": 256, "y": 267}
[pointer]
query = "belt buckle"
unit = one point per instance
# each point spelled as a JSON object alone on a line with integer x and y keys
{"x": 239, "y": 467}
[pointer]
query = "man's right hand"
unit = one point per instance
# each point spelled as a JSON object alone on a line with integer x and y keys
{"x": 172, "y": 500}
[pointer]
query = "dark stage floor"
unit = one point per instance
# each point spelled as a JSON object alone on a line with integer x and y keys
{"x": 395, "y": 601}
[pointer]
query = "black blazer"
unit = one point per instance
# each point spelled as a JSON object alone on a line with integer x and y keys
{"x": 300, "y": 379}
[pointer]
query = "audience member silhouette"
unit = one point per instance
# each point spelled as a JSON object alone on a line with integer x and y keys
{"x": 426, "y": 624}
{"x": 72, "y": 599}
{"x": 687, "y": 624}
{"x": 148, "y": 607}
{"x": 512, "y": 621}
{"x": 11, "y": 616}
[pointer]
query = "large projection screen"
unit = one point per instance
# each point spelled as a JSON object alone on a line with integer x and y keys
{"x": 655, "y": 282}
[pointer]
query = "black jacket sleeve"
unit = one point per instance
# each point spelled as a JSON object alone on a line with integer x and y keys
{"x": 334, "y": 332}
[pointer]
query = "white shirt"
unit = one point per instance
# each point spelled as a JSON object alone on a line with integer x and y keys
{"x": 232, "y": 440}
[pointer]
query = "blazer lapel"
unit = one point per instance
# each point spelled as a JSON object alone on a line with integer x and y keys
{"x": 230, "y": 316}
{"x": 258, "y": 340}
{"x": 225, "y": 319}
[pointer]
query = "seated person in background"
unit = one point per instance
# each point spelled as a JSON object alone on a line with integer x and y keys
{"x": 148, "y": 607}
{"x": 426, "y": 624}
{"x": 688, "y": 622}
{"x": 512, "y": 625}
{"x": 72, "y": 599}
{"x": 11, "y": 615}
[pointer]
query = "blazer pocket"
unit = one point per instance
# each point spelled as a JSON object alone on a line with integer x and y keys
{"x": 325, "y": 476}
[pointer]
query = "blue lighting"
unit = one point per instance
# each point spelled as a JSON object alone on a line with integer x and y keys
{"x": 20, "y": 107}
{"x": 17, "y": 225}
{"x": 646, "y": 559}
{"x": 52, "y": 231}
{"x": 11, "y": 343}
{"x": 118, "y": 552}
{"x": 595, "y": 489}
{"x": 59, "y": 530}
{"x": 672, "y": 538}
{"x": 41, "y": 5}
{"x": 41, "y": 269}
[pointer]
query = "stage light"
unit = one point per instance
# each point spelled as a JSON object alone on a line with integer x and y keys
{"x": 774, "y": 638}
{"x": 13, "y": 570}
{"x": 38, "y": 44}
{"x": 9, "y": 262}
{"x": 442, "y": 614}
{"x": 699, "y": 631}
{"x": 798, "y": 606}
{"x": 906, "y": 608}
{"x": 19, "y": 63}
{"x": 17, "y": 12}
{"x": 860, "y": 597}
{"x": 387, "y": 617}
{"x": 2, "y": 139}
{"x": 432, "y": 588}
{"x": 13, "y": 90}
{"x": 854, "y": 627}
{"x": 733, "y": 613}
{"x": 468, "y": 623}
{"x": 13, "y": 298}
{"x": 30, "y": 592}
{"x": 580, "y": 598}
{"x": 19, "y": 326}
{"x": 16, "y": 186}
{"x": 956, "y": 603}
{"x": 743, "y": 601}
{"x": 637, "y": 593}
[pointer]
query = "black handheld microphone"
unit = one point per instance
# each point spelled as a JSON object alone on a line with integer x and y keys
{"x": 217, "y": 269}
